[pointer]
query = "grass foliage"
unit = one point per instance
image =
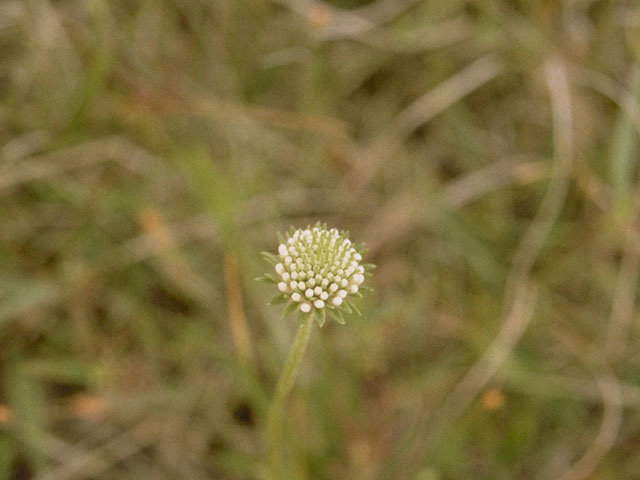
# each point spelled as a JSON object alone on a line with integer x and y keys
{"x": 486, "y": 153}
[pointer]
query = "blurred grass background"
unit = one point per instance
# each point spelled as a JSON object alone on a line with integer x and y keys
{"x": 486, "y": 151}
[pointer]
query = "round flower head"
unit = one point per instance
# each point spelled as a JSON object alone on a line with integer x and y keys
{"x": 317, "y": 271}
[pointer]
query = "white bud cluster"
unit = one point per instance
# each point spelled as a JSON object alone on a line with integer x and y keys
{"x": 318, "y": 267}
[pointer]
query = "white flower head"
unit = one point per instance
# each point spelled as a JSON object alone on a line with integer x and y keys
{"x": 329, "y": 263}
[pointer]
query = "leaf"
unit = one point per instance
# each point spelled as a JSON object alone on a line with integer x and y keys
{"x": 18, "y": 295}
{"x": 292, "y": 307}
{"x": 337, "y": 316}
{"x": 7, "y": 446}
{"x": 272, "y": 277}
{"x": 267, "y": 278}
{"x": 26, "y": 399}
{"x": 321, "y": 317}
{"x": 281, "y": 238}
{"x": 354, "y": 308}
{"x": 65, "y": 370}
{"x": 218, "y": 187}
{"x": 623, "y": 147}
{"x": 282, "y": 298}
{"x": 361, "y": 248}
{"x": 270, "y": 257}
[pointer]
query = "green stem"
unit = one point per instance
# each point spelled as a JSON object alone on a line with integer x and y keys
{"x": 285, "y": 382}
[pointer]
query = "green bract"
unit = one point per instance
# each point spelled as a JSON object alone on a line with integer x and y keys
{"x": 317, "y": 271}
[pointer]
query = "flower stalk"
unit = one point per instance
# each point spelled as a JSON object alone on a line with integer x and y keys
{"x": 275, "y": 424}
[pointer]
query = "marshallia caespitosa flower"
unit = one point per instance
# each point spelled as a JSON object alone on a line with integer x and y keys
{"x": 318, "y": 271}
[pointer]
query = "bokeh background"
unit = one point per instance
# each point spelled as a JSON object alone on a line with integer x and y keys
{"x": 485, "y": 151}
